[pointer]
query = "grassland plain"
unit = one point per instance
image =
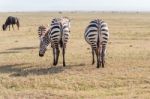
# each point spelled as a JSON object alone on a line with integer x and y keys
{"x": 25, "y": 75}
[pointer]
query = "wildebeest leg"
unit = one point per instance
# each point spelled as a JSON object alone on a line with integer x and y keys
{"x": 103, "y": 55}
{"x": 63, "y": 52}
{"x": 93, "y": 61}
{"x": 13, "y": 26}
{"x": 18, "y": 26}
{"x": 9, "y": 27}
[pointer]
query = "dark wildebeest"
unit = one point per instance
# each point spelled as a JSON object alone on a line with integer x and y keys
{"x": 10, "y": 21}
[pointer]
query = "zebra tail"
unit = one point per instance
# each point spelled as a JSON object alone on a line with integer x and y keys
{"x": 61, "y": 43}
{"x": 61, "y": 37}
{"x": 99, "y": 34}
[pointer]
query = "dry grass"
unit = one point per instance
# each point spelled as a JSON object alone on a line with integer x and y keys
{"x": 24, "y": 75}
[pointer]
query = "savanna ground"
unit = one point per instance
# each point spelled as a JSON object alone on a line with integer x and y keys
{"x": 25, "y": 75}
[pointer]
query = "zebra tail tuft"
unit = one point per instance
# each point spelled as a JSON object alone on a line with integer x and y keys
{"x": 61, "y": 43}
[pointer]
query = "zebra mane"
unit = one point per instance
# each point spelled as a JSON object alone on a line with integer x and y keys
{"x": 43, "y": 30}
{"x": 56, "y": 20}
{"x": 42, "y": 27}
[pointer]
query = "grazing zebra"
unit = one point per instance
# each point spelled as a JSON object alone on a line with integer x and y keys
{"x": 96, "y": 34}
{"x": 43, "y": 33}
{"x": 59, "y": 35}
{"x": 11, "y": 21}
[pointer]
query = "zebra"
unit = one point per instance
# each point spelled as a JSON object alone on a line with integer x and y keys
{"x": 43, "y": 33}
{"x": 97, "y": 35}
{"x": 59, "y": 35}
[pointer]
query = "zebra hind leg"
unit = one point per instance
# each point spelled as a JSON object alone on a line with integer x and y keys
{"x": 57, "y": 55}
{"x": 54, "y": 55}
{"x": 93, "y": 61}
{"x": 103, "y": 55}
{"x": 97, "y": 56}
{"x": 63, "y": 52}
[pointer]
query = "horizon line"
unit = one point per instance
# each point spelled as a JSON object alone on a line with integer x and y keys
{"x": 75, "y": 11}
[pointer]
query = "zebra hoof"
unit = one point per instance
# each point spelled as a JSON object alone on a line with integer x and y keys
{"x": 64, "y": 65}
{"x": 102, "y": 66}
{"x": 54, "y": 64}
{"x": 97, "y": 66}
{"x": 93, "y": 63}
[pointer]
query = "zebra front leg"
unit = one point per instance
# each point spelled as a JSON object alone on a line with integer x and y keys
{"x": 64, "y": 64}
{"x": 103, "y": 55}
{"x": 93, "y": 61}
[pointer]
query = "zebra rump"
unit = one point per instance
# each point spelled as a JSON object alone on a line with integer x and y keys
{"x": 97, "y": 35}
{"x": 59, "y": 35}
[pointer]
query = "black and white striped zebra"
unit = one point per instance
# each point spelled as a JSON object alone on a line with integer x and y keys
{"x": 43, "y": 33}
{"x": 60, "y": 30}
{"x": 96, "y": 34}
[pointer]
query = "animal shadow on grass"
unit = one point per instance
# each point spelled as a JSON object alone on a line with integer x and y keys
{"x": 74, "y": 65}
{"x": 24, "y": 69}
{"x": 17, "y": 70}
{"x": 9, "y": 52}
{"x": 17, "y": 50}
{"x": 23, "y": 48}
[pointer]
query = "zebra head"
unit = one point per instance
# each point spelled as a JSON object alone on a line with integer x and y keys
{"x": 44, "y": 39}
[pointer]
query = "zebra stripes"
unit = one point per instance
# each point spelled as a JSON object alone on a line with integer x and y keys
{"x": 60, "y": 29}
{"x": 43, "y": 33}
{"x": 96, "y": 35}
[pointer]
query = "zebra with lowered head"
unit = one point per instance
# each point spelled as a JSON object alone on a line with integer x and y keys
{"x": 43, "y": 33}
{"x": 96, "y": 35}
{"x": 59, "y": 35}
